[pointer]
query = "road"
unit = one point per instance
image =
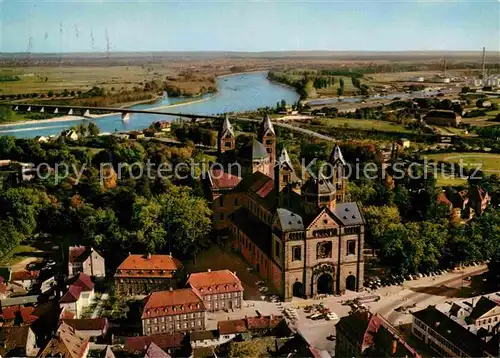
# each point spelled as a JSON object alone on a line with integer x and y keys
{"x": 293, "y": 128}
{"x": 98, "y": 307}
{"x": 423, "y": 292}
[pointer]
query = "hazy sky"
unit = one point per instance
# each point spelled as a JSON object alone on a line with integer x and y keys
{"x": 66, "y": 26}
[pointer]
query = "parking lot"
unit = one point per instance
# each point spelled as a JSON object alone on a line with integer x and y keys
{"x": 395, "y": 303}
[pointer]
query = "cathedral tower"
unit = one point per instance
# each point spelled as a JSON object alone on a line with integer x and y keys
{"x": 339, "y": 175}
{"x": 285, "y": 179}
{"x": 267, "y": 136}
{"x": 226, "y": 139}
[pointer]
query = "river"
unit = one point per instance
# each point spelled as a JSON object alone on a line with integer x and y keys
{"x": 237, "y": 93}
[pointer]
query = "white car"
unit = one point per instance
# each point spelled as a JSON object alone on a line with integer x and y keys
{"x": 331, "y": 316}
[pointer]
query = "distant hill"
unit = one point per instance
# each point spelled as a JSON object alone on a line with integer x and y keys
{"x": 200, "y": 55}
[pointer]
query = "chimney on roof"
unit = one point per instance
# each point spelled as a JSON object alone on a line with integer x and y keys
{"x": 394, "y": 346}
{"x": 148, "y": 256}
{"x": 209, "y": 270}
{"x": 170, "y": 289}
{"x": 170, "y": 253}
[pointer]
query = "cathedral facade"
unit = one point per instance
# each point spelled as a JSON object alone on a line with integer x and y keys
{"x": 301, "y": 237}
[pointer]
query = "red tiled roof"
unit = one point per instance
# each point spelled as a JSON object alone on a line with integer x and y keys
{"x": 72, "y": 295}
{"x": 222, "y": 180}
{"x": 26, "y": 313}
{"x": 164, "y": 341}
{"x": 265, "y": 189}
{"x": 24, "y": 275}
{"x": 232, "y": 326}
{"x": 261, "y": 184}
{"x": 165, "y": 303}
{"x": 75, "y": 252}
{"x": 65, "y": 314}
{"x": 442, "y": 199}
{"x": 263, "y": 322}
{"x": 248, "y": 324}
{"x": 66, "y": 343}
{"x": 90, "y": 324}
{"x": 374, "y": 325}
{"x": 154, "y": 266}
{"x": 154, "y": 351}
{"x": 220, "y": 281}
{"x": 84, "y": 282}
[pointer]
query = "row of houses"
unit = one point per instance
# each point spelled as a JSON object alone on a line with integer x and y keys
{"x": 184, "y": 310}
{"x": 461, "y": 328}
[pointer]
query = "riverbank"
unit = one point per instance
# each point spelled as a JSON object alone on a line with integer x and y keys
{"x": 98, "y": 116}
{"x": 236, "y": 93}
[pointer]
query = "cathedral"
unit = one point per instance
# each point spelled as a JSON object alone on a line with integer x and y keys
{"x": 301, "y": 237}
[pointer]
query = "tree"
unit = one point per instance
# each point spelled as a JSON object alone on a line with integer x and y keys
{"x": 493, "y": 274}
{"x": 363, "y": 192}
{"x": 5, "y": 114}
{"x": 23, "y": 205}
{"x": 7, "y": 145}
{"x": 175, "y": 221}
{"x": 378, "y": 219}
{"x": 81, "y": 129}
{"x": 10, "y": 237}
{"x": 93, "y": 129}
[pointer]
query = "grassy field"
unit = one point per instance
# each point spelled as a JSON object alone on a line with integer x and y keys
{"x": 487, "y": 162}
{"x": 43, "y": 79}
{"x": 332, "y": 90}
{"x": 365, "y": 124}
{"x": 450, "y": 181}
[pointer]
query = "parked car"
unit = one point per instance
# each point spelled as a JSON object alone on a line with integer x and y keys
{"x": 263, "y": 289}
{"x": 331, "y": 316}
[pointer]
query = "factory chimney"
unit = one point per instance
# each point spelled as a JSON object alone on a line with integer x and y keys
{"x": 483, "y": 68}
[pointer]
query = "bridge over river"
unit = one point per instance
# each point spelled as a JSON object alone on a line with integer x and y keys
{"x": 126, "y": 115}
{"x": 87, "y": 111}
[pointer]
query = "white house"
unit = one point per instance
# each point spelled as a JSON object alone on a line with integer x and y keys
{"x": 25, "y": 278}
{"x": 86, "y": 260}
{"x": 79, "y": 295}
{"x": 201, "y": 339}
{"x": 69, "y": 133}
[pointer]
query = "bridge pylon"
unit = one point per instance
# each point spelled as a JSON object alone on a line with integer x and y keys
{"x": 16, "y": 108}
{"x": 56, "y": 111}
{"x": 28, "y": 109}
{"x": 86, "y": 113}
{"x": 125, "y": 116}
{"x": 70, "y": 112}
{"x": 42, "y": 110}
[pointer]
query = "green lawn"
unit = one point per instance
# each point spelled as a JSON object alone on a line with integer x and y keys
{"x": 93, "y": 151}
{"x": 487, "y": 162}
{"x": 453, "y": 130}
{"x": 18, "y": 254}
{"x": 450, "y": 181}
{"x": 365, "y": 124}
